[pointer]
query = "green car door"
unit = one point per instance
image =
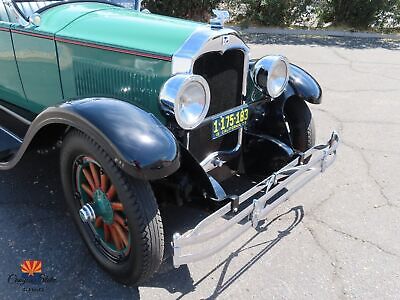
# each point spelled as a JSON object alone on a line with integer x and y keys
{"x": 29, "y": 75}
{"x": 36, "y": 57}
{"x": 10, "y": 84}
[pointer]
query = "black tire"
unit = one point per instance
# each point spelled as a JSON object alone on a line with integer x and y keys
{"x": 144, "y": 224}
{"x": 301, "y": 124}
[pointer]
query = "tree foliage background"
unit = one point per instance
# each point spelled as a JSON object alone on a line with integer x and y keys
{"x": 358, "y": 14}
{"x": 361, "y": 13}
{"x": 190, "y": 9}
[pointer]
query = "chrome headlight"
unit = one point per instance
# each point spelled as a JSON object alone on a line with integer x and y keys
{"x": 188, "y": 98}
{"x": 271, "y": 75}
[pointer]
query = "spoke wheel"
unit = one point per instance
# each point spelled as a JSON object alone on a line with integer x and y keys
{"x": 110, "y": 227}
{"x": 123, "y": 228}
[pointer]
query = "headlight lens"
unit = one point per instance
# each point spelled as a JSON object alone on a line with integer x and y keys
{"x": 191, "y": 105}
{"x": 271, "y": 75}
{"x": 188, "y": 97}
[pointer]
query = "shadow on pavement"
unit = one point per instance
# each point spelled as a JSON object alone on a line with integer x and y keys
{"x": 35, "y": 224}
{"x": 327, "y": 41}
{"x": 180, "y": 281}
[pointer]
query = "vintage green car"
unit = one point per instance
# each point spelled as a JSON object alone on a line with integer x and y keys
{"x": 148, "y": 108}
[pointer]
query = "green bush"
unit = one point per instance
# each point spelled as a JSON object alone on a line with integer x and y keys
{"x": 355, "y": 13}
{"x": 389, "y": 17}
{"x": 188, "y": 9}
{"x": 360, "y": 14}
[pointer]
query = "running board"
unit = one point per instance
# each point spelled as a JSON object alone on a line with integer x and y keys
{"x": 9, "y": 144}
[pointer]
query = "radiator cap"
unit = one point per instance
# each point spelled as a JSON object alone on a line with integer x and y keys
{"x": 222, "y": 16}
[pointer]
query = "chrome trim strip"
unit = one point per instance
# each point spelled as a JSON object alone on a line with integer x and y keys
{"x": 279, "y": 186}
{"x": 15, "y": 115}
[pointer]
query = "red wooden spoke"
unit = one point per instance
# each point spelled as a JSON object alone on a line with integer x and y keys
{"x": 103, "y": 179}
{"x": 121, "y": 233}
{"x": 120, "y": 221}
{"x": 87, "y": 190}
{"x": 111, "y": 192}
{"x": 99, "y": 222}
{"x": 115, "y": 237}
{"x": 117, "y": 206}
{"x": 89, "y": 179}
{"x": 95, "y": 175}
{"x": 107, "y": 233}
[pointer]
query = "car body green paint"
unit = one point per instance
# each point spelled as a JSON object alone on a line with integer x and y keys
{"x": 10, "y": 84}
{"x": 94, "y": 50}
{"x": 38, "y": 68}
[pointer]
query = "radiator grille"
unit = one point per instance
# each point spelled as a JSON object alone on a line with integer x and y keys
{"x": 224, "y": 74}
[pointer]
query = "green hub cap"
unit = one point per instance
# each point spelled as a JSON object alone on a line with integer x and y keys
{"x": 102, "y": 206}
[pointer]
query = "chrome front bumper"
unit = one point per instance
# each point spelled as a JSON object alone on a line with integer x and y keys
{"x": 277, "y": 187}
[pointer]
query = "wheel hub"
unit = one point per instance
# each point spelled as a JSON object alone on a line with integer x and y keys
{"x": 101, "y": 207}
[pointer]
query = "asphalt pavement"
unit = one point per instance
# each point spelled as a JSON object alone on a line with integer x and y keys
{"x": 336, "y": 238}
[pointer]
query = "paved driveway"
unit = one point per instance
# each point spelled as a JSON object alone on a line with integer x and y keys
{"x": 336, "y": 238}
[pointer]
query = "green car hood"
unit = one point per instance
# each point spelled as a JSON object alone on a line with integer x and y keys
{"x": 128, "y": 29}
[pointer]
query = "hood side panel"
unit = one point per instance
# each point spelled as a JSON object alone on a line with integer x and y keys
{"x": 89, "y": 72}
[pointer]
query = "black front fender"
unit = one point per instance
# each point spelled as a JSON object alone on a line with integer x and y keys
{"x": 303, "y": 86}
{"x": 136, "y": 140}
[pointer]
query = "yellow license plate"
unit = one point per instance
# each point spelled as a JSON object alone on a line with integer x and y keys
{"x": 229, "y": 122}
